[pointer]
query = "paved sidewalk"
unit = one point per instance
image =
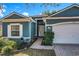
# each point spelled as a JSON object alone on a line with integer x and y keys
{"x": 37, "y": 45}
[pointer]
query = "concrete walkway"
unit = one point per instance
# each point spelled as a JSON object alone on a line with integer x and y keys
{"x": 37, "y": 45}
{"x": 60, "y": 49}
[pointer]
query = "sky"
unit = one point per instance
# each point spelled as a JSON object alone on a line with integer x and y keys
{"x": 22, "y": 8}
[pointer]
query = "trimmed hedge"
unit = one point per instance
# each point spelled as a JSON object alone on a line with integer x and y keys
{"x": 48, "y": 38}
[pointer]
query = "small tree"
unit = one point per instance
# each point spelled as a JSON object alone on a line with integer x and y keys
{"x": 48, "y": 12}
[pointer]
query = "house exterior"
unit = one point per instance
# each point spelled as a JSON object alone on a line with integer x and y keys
{"x": 17, "y": 26}
{"x": 64, "y": 24}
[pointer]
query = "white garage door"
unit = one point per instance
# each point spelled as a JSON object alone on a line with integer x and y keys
{"x": 66, "y": 33}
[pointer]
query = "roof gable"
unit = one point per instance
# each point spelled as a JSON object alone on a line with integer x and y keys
{"x": 72, "y": 10}
{"x": 14, "y": 15}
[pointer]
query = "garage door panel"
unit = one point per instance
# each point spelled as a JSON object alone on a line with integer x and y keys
{"x": 66, "y": 33}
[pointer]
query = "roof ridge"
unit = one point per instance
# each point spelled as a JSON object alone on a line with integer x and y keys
{"x": 13, "y": 12}
{"x": 66, "y": 8}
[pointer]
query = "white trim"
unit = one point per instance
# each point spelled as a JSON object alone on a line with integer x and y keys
{"x": 35, "y": 21}
{"x": 45, "y": 23}
{"x": 72, "y": 22}
{"x": 48, "y": 18}
{"x": 10, "y": 14}
{"x": 9, "y": 30}
{"x": 38, "y": 19}
{"x": 18, "y": 37}
{"x": 27, "y": 38}
{"x": 68, "y": 7}
{"x": 61, "y": 24}
{"x": 36, "y": 24}
{"x": 36, "y": 28}
{"x": 30, "y": 29}
{"x": 24, "y": 38}
{"x": 32, "y": 20}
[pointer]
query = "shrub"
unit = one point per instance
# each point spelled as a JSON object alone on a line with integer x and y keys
{"x": 11, "y": 43}
{"x": 48, "y": 38}
{"x": 7, "y": 50}
{"x": 2, "y": 44}
{"x": 18, "y": 44}
{"x": 7, "y": 46}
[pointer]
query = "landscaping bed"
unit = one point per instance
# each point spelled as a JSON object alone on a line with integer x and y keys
{"x": 10, "y": 48}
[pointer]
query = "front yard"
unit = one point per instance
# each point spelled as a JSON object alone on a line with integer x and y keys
{"x": 35, "y": 52}
{"x": 9, "y": 48}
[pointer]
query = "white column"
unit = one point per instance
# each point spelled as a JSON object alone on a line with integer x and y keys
{"x": 36, "y": 28}
{"x": 45, "y": 23}
{"x": 30, "y": 29}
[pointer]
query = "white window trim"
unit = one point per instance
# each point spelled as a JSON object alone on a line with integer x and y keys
{"x": 9, "y": 30}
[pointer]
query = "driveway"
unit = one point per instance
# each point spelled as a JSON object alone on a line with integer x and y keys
{"x": 66, "y": 50}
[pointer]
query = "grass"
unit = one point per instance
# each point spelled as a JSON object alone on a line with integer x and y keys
{"x": 21, "y": 54}
{"x": 35, "y": 52}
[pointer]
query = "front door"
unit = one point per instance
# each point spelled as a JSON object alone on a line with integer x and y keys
{"x": 41, "y": 30}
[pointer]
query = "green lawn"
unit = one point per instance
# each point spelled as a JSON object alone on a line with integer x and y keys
{"x": 35, "y": 52}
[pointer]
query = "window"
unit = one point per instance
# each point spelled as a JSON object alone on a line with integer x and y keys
{"x": 15, "y": 30}
{"x": 49, "y": 28}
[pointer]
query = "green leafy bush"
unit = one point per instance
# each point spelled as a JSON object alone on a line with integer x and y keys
{"x": 11, "y": 43}
{"x": 2, "y": 44}
{"x": 18, "y": 44}
{"x": 7, "y": 46}
{"x": 48, "y": 38}
{"x": 7, "y": 50}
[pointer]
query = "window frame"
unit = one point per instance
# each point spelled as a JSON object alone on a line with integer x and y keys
{"x": 15, "y": 28}
{"x": 20, "y": 30}
{"x": 49, "y": 29}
